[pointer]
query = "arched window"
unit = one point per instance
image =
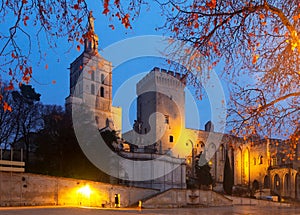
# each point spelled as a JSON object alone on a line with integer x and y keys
{"x": 92, "y": 89}
{"x": 102, "y": 92}
{"x": 276, "y": 183}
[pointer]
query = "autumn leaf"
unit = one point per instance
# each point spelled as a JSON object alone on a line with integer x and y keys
{"x": 78, "y": 47}
{"x": 261, "y": 16}
{"x": 295, "y": 18}
{"x": 25, "y": 20}
{"x": 175, "y": 29}
{"x": 212, "y": 4}
{"x": 118, "y": 15}
{"x": 276, "y": 30}
{"x": 76, "y": 6}
{"x": 53, "y": 82}
{"x": 112, "y": 27}
{"x": 13, "y": 55}
{"x": 9, "y": 87}
{"x": 117, "y": 2}
{"x": 81, "y": 41}
{"x": 251, "y": 34}
{"x": 125, "y": 21}
{"x": 255, "y": 58}
{"x": 106, "y": 10}
{"x": 46, "y": 66}
{"x": 6, "y": 107}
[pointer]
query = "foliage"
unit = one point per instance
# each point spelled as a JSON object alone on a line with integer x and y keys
{"x": 228, "y": 176}
{"x": 202, "y": 170}
{"x": 256, "y": 40}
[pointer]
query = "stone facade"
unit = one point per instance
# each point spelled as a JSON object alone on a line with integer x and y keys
{"x": 255, "y": 162}
{"x": 160, "y": 128}
{"x": 91, "y": 85}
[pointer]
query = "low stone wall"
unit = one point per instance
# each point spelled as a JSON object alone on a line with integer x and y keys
{"x": 19, "y": 189}
{"x": 256, "y": 202}
{"x": 186, "y": 198}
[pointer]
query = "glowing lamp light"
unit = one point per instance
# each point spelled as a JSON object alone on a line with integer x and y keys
{"x": 85, "y": 191}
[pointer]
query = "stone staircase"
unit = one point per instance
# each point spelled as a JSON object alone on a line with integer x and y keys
{"x": 176, "y": 198}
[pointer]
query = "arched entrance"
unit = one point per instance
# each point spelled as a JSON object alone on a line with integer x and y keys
{"x": 277, "y": 184}
{"x": 266, "y": 182}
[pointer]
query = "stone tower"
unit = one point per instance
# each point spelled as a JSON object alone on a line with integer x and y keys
{"x": 91, "y": 82}
{"x": 161, "y": 109}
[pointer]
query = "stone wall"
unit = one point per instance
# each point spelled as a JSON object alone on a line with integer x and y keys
{"x": 184, "y": 198}
{"x": 31, "y": 189}
{"x": 256, "y": 202}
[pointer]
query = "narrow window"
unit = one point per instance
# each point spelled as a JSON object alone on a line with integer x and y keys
{"x": 102, "y": 78}
{"x": 102, "y": 92}
{"x": 261, "y": 160}
{"x": 171, "y": 139}
{"x": 93, "y": 75}
{"x": 92, "y": 89}
{"x": 167, "y": 119}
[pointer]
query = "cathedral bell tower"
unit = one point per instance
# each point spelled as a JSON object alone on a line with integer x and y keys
{"x": 91, "y": 82}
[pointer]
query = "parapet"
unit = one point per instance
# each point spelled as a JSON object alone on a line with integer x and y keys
{"x": 160, "y": 77}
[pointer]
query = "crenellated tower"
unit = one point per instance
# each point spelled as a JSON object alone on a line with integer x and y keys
{"x": 161, "y": 107}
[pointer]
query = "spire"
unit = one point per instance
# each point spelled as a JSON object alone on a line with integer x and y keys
{"x": 91, "y": 38}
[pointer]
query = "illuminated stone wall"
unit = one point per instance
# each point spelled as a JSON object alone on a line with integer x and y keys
{"x": 31, "y": 189}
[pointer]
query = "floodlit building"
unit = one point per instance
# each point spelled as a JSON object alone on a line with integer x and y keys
{"x": 266, "y": 165}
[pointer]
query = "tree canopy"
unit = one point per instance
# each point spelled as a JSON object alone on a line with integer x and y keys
{"x": 257, "y": 42}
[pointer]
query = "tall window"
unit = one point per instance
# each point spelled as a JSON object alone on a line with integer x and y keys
{"x": 171, "y": 138}
{"x": 93, "y": 76}
{"x": 260, "y": 159}
{"x": 92, "y": 89}
{"x": 102, "y": 92}
{"x": 102, "y": 78}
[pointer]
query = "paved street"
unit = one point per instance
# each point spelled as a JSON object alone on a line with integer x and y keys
{"x": 238, "y": 210}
